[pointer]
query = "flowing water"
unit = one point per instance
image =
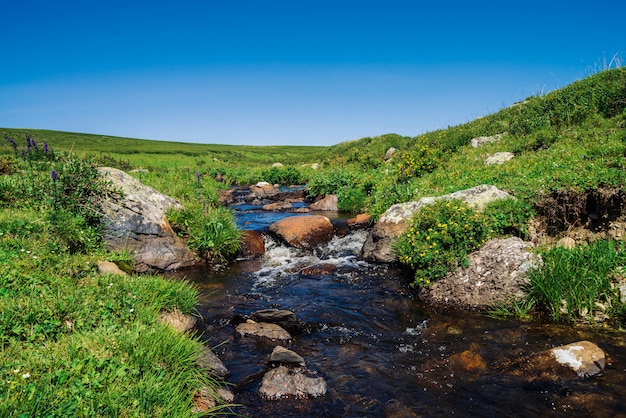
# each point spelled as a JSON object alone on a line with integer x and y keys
{"x": 384, "y": 354}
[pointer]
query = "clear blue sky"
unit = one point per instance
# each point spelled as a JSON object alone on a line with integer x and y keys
{"x": 298, "y": 72}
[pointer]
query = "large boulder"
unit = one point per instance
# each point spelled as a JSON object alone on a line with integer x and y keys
{"x": 252, "y": 244}
{"x": 304, "y": 231}
{"x": 136, "y": 222}
{"x": 497, "y": 274}
{"x": 394, "y": 221}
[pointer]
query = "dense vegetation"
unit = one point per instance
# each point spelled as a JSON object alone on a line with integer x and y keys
{"x": 74, "y": 342}
{"x": 67, "y": 334}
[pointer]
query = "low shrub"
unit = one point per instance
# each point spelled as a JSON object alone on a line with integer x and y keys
{"x": 508, "y": 217}
{"x": 210, "y": 231}
{"x": 438, "y": 239}
{"x": 284, "y": 176}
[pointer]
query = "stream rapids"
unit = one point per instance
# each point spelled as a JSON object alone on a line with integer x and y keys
{"x": 382, "y": 352}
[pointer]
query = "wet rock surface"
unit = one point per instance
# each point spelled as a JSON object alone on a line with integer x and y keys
{"x": 265, "y": 330}
{"x": 283, "y": 382}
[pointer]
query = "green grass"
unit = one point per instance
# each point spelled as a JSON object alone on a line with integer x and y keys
{"x": 163, "y": 154}
{"x": 74, "y": 342}
{"x": 576, "y": 284}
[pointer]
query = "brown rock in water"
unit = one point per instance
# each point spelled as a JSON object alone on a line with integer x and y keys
{"x": 360, "y": 221}
{"x": 264, "y": 190}
{"x": 263, "y": 330}
{"x": 304, "y": 231}
{"x": 252, "y": 244}
{"x": 571, "y": 361}
{"x": 468, "y": 361}
{"x": 321, "y": 269}
{"x": 283, "y": 356}
{"x": 282, "y": 317}
{"x": 278, "y": 206}
{"x": 283, "y": 382}
{"x": 328, "y": 203}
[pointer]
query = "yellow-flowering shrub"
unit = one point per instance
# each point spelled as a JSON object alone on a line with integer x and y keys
{"x": 438, "y": 239}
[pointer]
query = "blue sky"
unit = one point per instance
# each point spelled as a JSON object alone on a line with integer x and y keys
{"x": 296, "y": 72}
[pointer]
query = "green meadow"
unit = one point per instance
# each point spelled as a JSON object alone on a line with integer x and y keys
{"x": 68, "y": 335}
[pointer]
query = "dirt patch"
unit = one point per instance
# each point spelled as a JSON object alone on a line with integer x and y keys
{"x": 566, "y": 210}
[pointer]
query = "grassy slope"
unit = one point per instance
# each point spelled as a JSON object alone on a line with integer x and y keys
{"x": 142, "y": 152}
{"x": 570, "y": 138}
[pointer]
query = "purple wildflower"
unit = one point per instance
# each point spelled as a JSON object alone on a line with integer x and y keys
{"x": 54, "y": 175}
{"x": 12, "y": 142}
{"x": 45, "y": 147}
{"x": 23, "y": 153}
{"x": 35, "y": 145}
{"x": 198, "y": 176}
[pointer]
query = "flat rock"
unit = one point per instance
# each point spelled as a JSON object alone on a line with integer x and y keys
{"x": 283, "y": 382}
{"x": 360, "y": 221}
{"x": 482, "y": 140}
{"x": 277, "y": 206}
{"x": 583, "y": 357}
{"x": 499, "y": 158}
{"x": 321, "y": 269}
{"x": 282, "y": 317}
{"x": 263, "y": 330}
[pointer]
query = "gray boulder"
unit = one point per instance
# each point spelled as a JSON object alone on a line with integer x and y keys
{"x": 497, "y": 274}
{"x": 210, "y": 362}
{"x": 136, "y": 222}
{"x": 499, "y": 158}
{"x": 394, "y": 221}
{"x": 283, "y": 382}
{"x": 482, "y": 140}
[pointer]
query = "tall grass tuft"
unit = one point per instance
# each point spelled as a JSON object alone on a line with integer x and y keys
{"x": 579, "y": 283}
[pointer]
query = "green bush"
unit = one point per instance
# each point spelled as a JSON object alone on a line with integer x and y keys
{"x": 508, "y": 216}
{"x": 211, "y": 232}
{"x": 438, "y": 239}
{"x": 284, "y": 176}
{"x": 416, "y": 163}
